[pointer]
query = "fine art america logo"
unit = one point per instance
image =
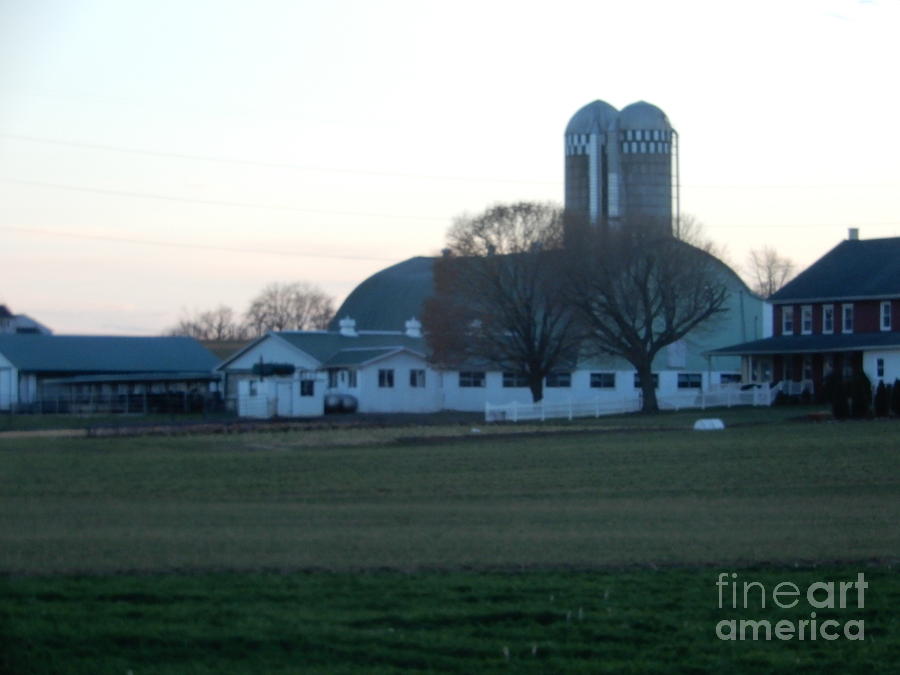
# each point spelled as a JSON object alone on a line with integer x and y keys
{"x": 819, "y": 595}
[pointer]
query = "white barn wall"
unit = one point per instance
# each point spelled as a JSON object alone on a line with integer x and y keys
{"x": 401, "y": 397}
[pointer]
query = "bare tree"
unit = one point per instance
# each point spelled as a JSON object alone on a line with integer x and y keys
{"x": 499, "y": 295}
{"x": 768, "y": 271}
{"x": 289, "y": 306}
{"x": 215, "y": 324}
{"x": 637, "y": 293}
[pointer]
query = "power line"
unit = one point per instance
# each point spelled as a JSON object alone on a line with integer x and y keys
{"x": 271, "y": 165}
{"x": 184, "y": 245}
{"x": 208, "y": 202}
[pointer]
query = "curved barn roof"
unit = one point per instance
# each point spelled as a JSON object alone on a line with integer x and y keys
{"x": 387, "y": 299}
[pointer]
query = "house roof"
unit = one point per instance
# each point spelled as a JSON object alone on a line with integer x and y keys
{"x": 105, "y": 354}
{"x": 387, "y": 299}
{"x": 856, "y": 268}
{"x": 331, "y": 348}
{"x": 800, "y": 344}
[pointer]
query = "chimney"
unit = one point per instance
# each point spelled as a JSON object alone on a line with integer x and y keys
{"x": 348, "y": 327}
{"x": 414, "y": 328}
{"x": 853, "y": 234}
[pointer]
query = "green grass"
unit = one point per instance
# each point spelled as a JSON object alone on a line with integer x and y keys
{"x": 790, "y": 492}
{"x": 408, "y": 549}
{"x": 464, "y": 622}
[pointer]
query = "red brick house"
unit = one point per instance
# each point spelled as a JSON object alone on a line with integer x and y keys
{"x": 841, "y": 315}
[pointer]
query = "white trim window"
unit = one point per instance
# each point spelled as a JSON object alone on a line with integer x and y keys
{"x": 787, "y": 320}
{"x": 828, "y": 319}
{"x": 471, "y": 378}
{"x": 386, "y": 378}
{"x": 847, "y": 318}
{"x": 885, "y": 315}
{"x": 559, "y": 378}
{"x": 417, "y": 377}
{"x": 806, "y": 323}
{"x": 603, "y": 380}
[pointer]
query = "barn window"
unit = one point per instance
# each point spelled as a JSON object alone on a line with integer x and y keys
{"x": 559, "y": 378}
{"x": 690, "y": 380}
{"x": 471, "y": 378}
{"x": 307, "y": 388}
{"x": 513, "y": 380}
{"x": 416, "y": 377}
{"x": 386, "y": 378}
{"x": 603, "y": 380}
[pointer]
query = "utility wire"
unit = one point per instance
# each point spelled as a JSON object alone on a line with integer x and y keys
{"x": 272, "y": 165}
{"x": 184, "y": 245}
{"x": 208, "y": 202}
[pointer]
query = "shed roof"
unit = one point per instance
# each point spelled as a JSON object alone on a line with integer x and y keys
{"x": 855, "y": 268}
{"x": 105, "y": 354}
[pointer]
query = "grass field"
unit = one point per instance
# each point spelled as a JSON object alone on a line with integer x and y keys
{"x": 441, "y": 549}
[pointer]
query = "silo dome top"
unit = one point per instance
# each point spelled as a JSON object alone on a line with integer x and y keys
{"x": 643, "y": 115}
{"x": 593, "y": 118}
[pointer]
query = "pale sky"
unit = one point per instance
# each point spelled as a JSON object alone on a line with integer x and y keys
{"x": 160, "y": 157}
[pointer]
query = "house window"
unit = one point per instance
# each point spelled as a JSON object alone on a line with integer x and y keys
{"x": 351, "y": 378}
{"x": 787, "y": 320}
{"x": 886, "y": 315}
{"x": 730, "y": 378}
{"x": 637, "y": 380}
{"x": 386, "y": 378}
{"x": 879, "y": 367}
{"x": 603, "y": 380}
{"x": 847, "y": 320}
{"x": 827, "y": 318}
{"x": 416, "y": 377}
{"x": 512, "y": 380}
{"x": 332, "y": 378}
{"x": 559, "y": 378}
{"x": 471, "y": 378}
{"x": 690, "y": 380}
{"x": 307, "y": 388}
{"x": 806, "y": 319}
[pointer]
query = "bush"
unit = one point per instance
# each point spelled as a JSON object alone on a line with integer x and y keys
{"x": 882, "y": 402}
{"x": 895, "y": 398}
{"x": 860, "y": 396}
{"x": 840, "y": 407}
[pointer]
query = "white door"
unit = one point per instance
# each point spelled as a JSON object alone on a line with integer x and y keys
{"x": 284, "y": 393}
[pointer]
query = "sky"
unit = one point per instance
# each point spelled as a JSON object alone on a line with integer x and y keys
{"x": 159, "y": 158}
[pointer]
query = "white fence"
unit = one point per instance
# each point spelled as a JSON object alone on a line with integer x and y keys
{"x": 761, "y": 395}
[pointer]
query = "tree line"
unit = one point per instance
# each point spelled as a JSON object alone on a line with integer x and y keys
{"x": 279, "y": 306}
